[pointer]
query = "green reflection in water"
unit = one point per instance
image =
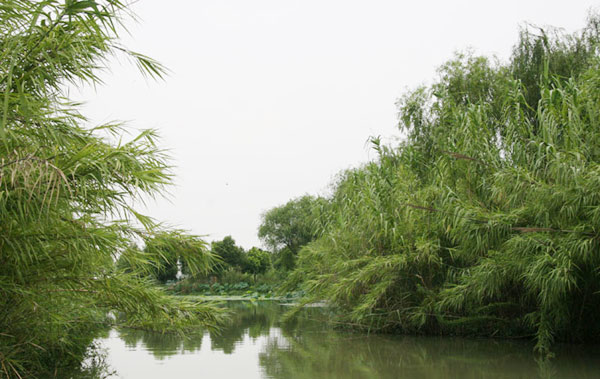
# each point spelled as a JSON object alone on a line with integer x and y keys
{"x": 306, "y": 347}
{"x": 160, "y": 345}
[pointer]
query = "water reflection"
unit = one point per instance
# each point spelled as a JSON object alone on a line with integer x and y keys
{"x": 348, "y": 356}
{"x": 159, "y": 345}
{"x": 253, "y": 319}
{"x": 256, "y": 344}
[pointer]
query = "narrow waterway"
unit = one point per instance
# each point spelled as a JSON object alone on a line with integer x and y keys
{"x": 256, "y": 344}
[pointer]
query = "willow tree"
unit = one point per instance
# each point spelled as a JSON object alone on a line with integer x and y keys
{"x": 285, "y": 229}
{"x": 66, "y": 192}
{"x": 485, "y": 220}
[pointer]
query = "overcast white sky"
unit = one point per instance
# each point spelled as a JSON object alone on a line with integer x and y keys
{"x": 268, "y": 99}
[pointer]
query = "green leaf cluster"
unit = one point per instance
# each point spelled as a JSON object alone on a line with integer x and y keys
{"x": 166, "y": 253}
{"x": 229, "y": 253}
{"x": 257, "y": 261}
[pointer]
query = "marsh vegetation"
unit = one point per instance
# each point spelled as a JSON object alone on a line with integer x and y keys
{"x": 484, "y": 220}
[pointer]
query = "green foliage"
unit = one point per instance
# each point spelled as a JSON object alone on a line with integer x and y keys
{"x": 164, "y": 253}
{"x": 66, "y": 190}
{"x": 168, "y": 249}
{"x": 285, "y": 229}
{"x": 234, "y": 260}
{"x": 257, "y": 261}
{"x": 235, "y": 275}
{"x": 541, "y": 54}
{"x": 485, "y": 220}
{"x": 230, "y": 254}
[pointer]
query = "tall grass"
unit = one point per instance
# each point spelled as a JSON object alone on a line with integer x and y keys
{"x": 66, "y": 191}
{"x": 485, "y": 219}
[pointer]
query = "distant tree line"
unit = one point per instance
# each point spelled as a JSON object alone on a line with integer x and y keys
{"x": 254, "y": 261}
{"x": 168, "y": 253}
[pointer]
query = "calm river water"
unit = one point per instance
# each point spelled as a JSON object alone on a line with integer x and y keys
{"x": 256, "y": 344}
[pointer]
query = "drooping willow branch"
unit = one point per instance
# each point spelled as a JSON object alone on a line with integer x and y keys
{"x": 522, "y": 229}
